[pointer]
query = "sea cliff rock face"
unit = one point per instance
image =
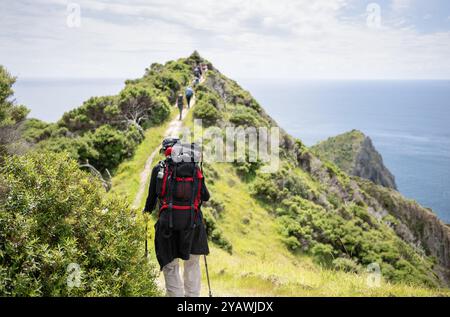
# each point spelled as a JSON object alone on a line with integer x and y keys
{"x": 354, "y": 153}
{"x": 415, "y": 224}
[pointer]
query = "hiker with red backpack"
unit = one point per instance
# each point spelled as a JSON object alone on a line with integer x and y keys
{"x": 178, "y": 185}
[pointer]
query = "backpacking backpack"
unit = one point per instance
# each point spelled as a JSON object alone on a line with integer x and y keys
{"x": 189, "y": 92}
{"x": 180, "y": 181}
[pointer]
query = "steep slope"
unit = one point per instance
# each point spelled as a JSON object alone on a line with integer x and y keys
{"x": 337, "y": 220}
{"x": 354, "y": 153}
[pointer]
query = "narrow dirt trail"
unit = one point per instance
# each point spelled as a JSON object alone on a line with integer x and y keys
{"x": 174, "y": 129}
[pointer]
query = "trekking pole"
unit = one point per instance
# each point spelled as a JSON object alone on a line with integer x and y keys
{"x": 207, "y": 275}
{"x": 146, "y": 239}
{"x": 146, "y": 236}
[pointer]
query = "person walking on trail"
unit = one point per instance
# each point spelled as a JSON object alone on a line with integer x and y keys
{"x": 180, "y": 104}
{"x": 196, "y": 81}
{"x": 197, "y": 72}
{"x": 189, "y": 93}
{"x": 178, "y": 185}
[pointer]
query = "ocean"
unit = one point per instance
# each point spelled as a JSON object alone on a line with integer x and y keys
{"x": 408, "y": 121}
{"x": 48, "y": 99}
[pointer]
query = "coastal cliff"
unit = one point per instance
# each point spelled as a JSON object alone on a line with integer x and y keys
{"x": 354, "y": 153}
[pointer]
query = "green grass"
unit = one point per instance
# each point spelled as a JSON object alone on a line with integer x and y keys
{"x": 260, "y": 264}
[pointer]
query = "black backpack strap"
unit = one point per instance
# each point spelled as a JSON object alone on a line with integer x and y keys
{"x": 170, "y": 195}
{"x": 194, "y": 194}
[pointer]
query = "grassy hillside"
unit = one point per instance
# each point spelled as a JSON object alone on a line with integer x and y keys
{"x": 261, "y": 265}
{"x": 306, "y": 230}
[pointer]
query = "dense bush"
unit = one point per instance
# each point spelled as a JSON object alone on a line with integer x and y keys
{"x": 51, "y": 215}
{"x": 280, "y": 185}
{"x": 247, "y": 169}
{"x": 160, "y": 112}
{"x": 138, "y": 105}
{"x": 245, "y": 116}
{"x": 327, "y": 236}
{"x": 77, "y": 148}
{"x": 105, "y": 148}
{"x": 112, "y": 146}
{"x": 34, "y": 130}
{"x": 94, "y": 112}
{"x": 208, "y": 113}
{"x": 346, "y": 265}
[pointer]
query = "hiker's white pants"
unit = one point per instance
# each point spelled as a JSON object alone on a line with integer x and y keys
{"x": 192, "y": 278}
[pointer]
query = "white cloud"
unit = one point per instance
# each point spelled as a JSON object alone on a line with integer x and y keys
{"x": 253, "y": 38}
{"x": 399, "y": 5}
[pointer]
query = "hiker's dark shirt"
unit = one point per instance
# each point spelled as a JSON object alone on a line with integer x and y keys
{"x": 180, "y": 102}
{"x": 183, "y": 240}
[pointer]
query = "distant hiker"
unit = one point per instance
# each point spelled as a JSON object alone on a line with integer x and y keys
{"x": 180, "y": 105}
{"x": 197, "y": 72}
{"x": 204, "y": 68}
{"x": 196, "y": 81}
{"x": 189, "y": 93}
{"x": 178, "y": 184}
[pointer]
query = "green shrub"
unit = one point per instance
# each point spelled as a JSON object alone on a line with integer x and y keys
{"x": 34, "y": 130}
{"x": 278, "y": 186}
{"x": 208, "y": 113}
{"x": 94, "y": 112}
{"x": 51, "y": 215}
{"x": 265, "y": 189}
{"x": 112, "y": 146}
{"x": 346, "y": 265}
{"x": 160, "y": 112}
{"x": 247, "y": 169}
{"x": 245, "y": 116}
{"x": 78, "y": 148}
{"x": 323, "y": 253}
{"x": 291, "y": 243}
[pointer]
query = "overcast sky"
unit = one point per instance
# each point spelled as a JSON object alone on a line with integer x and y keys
{"x": 406, "y": 39}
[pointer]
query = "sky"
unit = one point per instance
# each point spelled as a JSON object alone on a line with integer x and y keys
{"x": 298, "y": 39}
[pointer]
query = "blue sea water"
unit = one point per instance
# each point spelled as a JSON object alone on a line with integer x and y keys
{"x": 48, "y": 99}
{"x": 408, "y": 121}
